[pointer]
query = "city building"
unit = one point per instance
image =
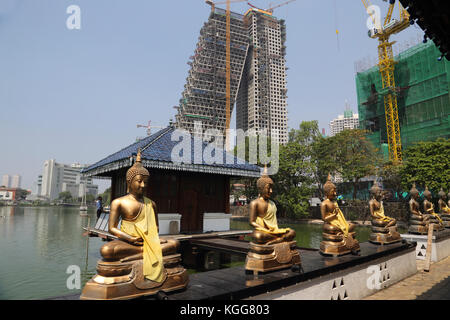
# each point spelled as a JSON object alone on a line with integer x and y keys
{"x": 57, "y": 178}
{"x": 422, "y": 81}
{"x": 203, "y": 98}
{"x": 7, "y": 194}
{"x": 348, "y": 120}
{"x": 16, "y": 181}
{"x": 257, "y": 75}
{"x": 261, "y": 102}
{"x": 6, "y": 181}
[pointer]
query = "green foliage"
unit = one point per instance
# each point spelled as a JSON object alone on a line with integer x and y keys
{"x": 348, "y": 153}
{"x": 65, "y": 196}
{"x": 294, "y": 182}
{"x": 391, "y": 174}
{"x": 106, "y": 197}
{"x": 427, "y": 164}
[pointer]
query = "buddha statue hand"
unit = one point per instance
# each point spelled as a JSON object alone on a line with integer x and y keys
{"x": 137, "y": 241}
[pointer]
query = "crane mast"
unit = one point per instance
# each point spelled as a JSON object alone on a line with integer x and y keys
{"x": 386, "y": 64}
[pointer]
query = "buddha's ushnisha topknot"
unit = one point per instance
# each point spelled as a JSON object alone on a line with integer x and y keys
{"x": 136, "y": 169}
{"x": 263, "y": 180}
{"x": 328, "y": 186}
{"x": 414, "y": 190}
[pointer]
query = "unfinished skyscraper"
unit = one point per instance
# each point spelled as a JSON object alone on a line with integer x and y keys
{"x": 261, "y": 102}
{"x": 203, "y": 98}
{"x": 258, "y": 75}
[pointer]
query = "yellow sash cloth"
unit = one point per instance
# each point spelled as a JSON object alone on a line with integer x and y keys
{"x": 379, "y": 214}
{"x": 339, "y": 221}
{"x": 445, "y": 209}
{"x": 435, "y": 214}
{"x": 270, "y": 221}
{"x": 144, "y": 226}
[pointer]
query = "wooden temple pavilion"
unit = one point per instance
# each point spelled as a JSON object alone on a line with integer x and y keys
{"x": 188, "y": 189}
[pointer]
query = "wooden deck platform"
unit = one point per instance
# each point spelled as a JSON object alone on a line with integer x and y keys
{"x": 101, "y": 230}
{"x": 235, "y": 284}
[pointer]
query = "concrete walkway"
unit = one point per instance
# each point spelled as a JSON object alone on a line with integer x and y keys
{"x": 432, "y": 285}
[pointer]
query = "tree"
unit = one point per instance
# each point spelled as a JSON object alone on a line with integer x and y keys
{"x": 65, "y": 196}
{"x": 294, "y": 182}
{"x": 357, "y": 157}
{"x": 250, "y": 190}
{"x": 391, "y": 174}
{"x": 348, "y": 153}
{"x": 323, "y": 156}
{"x": 427, "y": 163}
{"x": 106, "y": 197}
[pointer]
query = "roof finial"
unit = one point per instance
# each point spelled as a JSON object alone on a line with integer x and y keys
{"x": 138, "y": 157}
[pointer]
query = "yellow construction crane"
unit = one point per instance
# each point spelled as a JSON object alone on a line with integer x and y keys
{"x": 269, "y": 11}
{"x": 386, "y": 65}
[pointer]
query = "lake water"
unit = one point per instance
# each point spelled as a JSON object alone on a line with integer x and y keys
{"x": 39, "y": 244}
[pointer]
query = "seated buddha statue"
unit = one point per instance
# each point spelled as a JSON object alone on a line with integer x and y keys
{"x": 384, "y": 228}
{"x": 338, "y": 237}
{"x": 428, "y": 208}
{"x": 138, "y": 263}
{"x": 271, "y": 248}
{"x": 418, "y": 222}
{"x": 444, "y": 210}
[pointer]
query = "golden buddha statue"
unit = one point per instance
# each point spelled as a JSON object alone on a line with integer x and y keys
{"x": 138, "y": 263}
{"x": 384, "y": 228}
{"x": 428, "y": 208}
{"x": 444, "y": 210}
{"x": 271, "y": 248}
{"x": 418, "y": 222}
{"x": 337, "y": 234}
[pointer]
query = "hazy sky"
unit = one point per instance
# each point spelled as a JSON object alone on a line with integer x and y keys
{"x": 77, "y": 95}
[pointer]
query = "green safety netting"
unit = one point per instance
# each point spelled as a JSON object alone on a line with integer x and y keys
{"x": 422, "y": 94}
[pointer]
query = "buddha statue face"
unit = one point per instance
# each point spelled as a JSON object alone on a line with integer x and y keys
{"x": 138, "y": 185}
{"x": 332, "y": 194}
{"x": 266, "y": 192}
{"x": 265, "y": 186}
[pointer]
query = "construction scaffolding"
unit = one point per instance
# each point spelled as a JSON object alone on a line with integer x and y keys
{"x": 261, "y": 103}
{"x": 422, "y": 92}
{"x": 204, "y": 95}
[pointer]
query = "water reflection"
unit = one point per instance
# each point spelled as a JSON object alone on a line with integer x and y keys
{"x": 37, "y": 246}
{"x": 307, "y": 235}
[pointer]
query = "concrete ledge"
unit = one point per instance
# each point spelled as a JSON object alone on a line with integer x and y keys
{"x": 216, "y": 221}
{"x": 351, "y": 284}
{"x": 440, "y": 246}
{"x": 345, "y": 277}
{"x": 164, "y": 223}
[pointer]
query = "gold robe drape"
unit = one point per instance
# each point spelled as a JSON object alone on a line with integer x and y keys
{"x": 270, "y": 221}
{"x": 339, "y": 221}
{"x": 379, "y": 214}
{"x": 144, "y": 226}
{"x": 435, "y": 214}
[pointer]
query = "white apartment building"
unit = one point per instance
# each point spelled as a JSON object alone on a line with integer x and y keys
{"x": 261, "y": 102}
{"x": 6, "y": 179}
{"x": 16, "y": 181}
{"x": 348, "y": 120}
{"x": 57, "y": 178}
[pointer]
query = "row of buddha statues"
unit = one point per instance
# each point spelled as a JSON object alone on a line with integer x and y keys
{"x": 139, "y": 263}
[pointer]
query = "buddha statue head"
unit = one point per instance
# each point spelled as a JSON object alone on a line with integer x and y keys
{"x": 330, "y": 189}
{"x": 137, "y": 177}
{"x": 442, "y": 194}
{"x": 427, "y": 193}
{"x": 264, "y": 185}
{"x": 414, "y": 192}
{"x": 375, "y": 191}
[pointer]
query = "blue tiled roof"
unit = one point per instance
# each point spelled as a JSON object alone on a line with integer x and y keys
{"x": 157, "y": 150}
